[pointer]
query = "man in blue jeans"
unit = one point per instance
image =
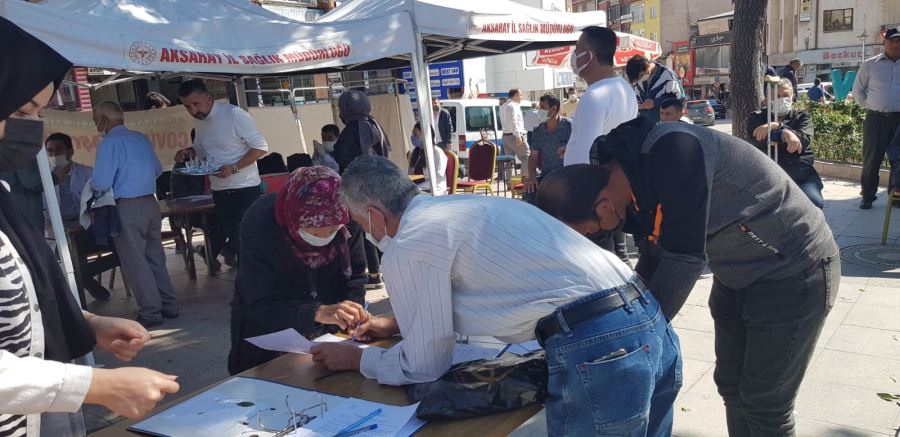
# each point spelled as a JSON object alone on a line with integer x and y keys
{"x": 451, "y": 265}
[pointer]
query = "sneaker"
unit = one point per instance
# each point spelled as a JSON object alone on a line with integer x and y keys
{"x": 170, "y": 312}
{"x": 374, "y": 281}
{"x": 865, "y": 204}
{"x": 148, "y": 324}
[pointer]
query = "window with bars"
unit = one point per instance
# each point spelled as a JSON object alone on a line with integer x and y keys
{"x": 652, "y": 11}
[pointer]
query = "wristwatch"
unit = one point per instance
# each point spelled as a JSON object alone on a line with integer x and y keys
{"x": 234, "y": 169}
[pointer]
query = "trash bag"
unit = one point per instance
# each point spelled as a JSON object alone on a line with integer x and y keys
{"x": 482, "y": 387}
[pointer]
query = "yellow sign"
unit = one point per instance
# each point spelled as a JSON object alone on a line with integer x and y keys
{"x": 805, "y": 10}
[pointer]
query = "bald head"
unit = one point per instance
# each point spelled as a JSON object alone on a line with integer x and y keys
{"x": 108, "y": 115}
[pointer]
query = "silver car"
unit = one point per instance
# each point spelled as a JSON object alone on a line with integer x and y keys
{"x": 701, "y": 112}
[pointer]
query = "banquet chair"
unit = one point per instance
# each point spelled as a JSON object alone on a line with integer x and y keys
{"x": 482, "y": 165}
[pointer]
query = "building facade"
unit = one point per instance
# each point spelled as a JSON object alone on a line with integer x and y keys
{"x": 711, "y": 55}
{"x": 827, "y": 34}
{"x": 678, "y": 21}
{"x": 645, "y": 19}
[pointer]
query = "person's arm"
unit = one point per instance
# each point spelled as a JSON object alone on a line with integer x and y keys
{"x": 106, "y": 165}
{"x": 678, "y": 169}
{"x": 32, "y": 386}
{"x": 861, "y": 85}
{"x": 756, "y": 120}
{"x": 246, "y": 129}
{"x": 421, "y": 301}
{"x": 802, "y": 127}
{"x": 536, "y": 147}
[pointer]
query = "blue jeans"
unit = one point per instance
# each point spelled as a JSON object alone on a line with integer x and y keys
{"x": 614, "y": 375}
{"x": 812, "y": 187}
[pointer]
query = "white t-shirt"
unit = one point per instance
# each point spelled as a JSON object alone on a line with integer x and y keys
{"x": 436, "y": 116}
{"x": 226, "y": 135}
{"x": 604, "y": 106}
{"x": 440, "y": 163}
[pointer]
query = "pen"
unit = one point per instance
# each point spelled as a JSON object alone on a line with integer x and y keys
{"x": 358, "y": 430}
{"x": 505, "y": 348}
{"x": 359, "y": 422}
{"x": 365, "y": 307}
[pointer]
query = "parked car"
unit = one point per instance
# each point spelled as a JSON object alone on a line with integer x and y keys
{"x": 701, "y": 112}
{"x": 719, "y": 108}
{"x": 471, "y": 117}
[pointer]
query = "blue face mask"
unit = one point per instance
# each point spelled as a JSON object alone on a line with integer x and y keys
{"x": 416, "y": 141}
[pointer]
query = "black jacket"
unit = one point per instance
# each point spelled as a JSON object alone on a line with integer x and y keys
{"x": 445, "y": 126}
{"x": 798, "y": 165}
{"x": 274, "y": 290}
{"x": 348, "y": 147}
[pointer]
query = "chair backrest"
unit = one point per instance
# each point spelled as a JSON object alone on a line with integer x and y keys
{"x": 452, "y": 171}
{"x": 482, "y": 161}
{"x": 275, "y": 182}
{"x": 271, "y": 164}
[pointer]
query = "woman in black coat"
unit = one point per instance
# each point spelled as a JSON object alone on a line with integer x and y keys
{"x": 302, "y": 266}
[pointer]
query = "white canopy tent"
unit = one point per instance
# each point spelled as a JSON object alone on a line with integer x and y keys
{"x": 233, "y": 37}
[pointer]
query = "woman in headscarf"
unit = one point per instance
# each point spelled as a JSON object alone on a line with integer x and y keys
{"x": 302, "y": 266}
{"x": 362, "y": 135}
{"x": 42, "y": 328}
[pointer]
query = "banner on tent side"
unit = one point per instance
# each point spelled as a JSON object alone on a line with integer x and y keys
{"x": 157, "y": 53}
{"x": 169, "y": 130}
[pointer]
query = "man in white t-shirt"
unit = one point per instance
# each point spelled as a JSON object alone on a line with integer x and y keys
{"x": 229, "y": 136}
{"x": 608, "y": 101}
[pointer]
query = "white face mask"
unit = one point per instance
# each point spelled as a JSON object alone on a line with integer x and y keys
{"x": 329, "y": 146}
{"x": 58, "y": 161}
{"x": 384, "y": 242}
{"x": 573, "y": 61}
{"x": 782, "y": 106}
{"x": 316, "y": 241}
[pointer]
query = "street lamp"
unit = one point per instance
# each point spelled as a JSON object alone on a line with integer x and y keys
{"x": 862, "y": 37}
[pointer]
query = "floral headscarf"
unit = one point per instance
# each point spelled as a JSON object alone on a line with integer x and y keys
{"x": 311, "y": 199}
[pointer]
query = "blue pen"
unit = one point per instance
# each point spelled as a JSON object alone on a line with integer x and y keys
{"x": 358, "y": 430}
{"x": 365, "y": 307}
{"x": 359, "y": 422}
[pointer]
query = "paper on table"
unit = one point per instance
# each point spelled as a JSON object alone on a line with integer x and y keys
{"x": 393, "y": 421}
{"x": 331, "y": 338}
{"x": 466, "y": 352}
{"x": 524, "y": 348}
{"x": 286, "y": 340}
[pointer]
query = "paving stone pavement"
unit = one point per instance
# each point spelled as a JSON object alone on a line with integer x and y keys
{"x": 857, "y": 356}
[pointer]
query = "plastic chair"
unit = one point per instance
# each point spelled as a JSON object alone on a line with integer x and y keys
{"x": 452, "y": 171}
{"x": 275, "y": 182}
{"x": 482, "y": 165}
{"x": 894, "y": 196}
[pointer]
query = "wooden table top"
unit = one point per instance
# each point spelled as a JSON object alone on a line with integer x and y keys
{"x": 416, "y": 177}
{"x": 170, "y": 207}
{"x": 298, "y": 370}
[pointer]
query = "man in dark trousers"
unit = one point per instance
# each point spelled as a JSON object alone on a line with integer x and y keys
{"x": 691, "y": 195}
{"x": 443, "y": 125}
{"x": 793, "y": 134}
{"x": 877, "y": 88}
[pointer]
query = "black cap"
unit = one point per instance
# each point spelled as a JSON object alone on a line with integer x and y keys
{"x": 892, "y": 33}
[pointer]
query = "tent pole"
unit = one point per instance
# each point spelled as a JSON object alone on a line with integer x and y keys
{"x": 240, "y": 92}
{"x": 59, "y": 232}
{"x": 423, "y": 93}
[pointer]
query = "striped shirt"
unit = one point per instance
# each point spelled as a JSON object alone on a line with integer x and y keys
{"x": 30, "y": 385}
{"x": 479, "y": 266}
{"x": 664, "y": 82}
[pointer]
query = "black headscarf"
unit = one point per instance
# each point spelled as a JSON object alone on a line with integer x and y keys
{"x": 27, "y": 65}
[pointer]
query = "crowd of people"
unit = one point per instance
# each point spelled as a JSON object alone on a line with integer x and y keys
{"x": 618, "y": 159}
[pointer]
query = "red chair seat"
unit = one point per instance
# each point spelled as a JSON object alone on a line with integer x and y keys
{"x": 519, "y": 187}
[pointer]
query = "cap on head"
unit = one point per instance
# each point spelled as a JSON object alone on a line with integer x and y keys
{"x": 892, "y": 33}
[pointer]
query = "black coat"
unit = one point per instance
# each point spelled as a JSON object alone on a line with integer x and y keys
{"x": 798, "y": 165}
{"x": 445, "y": 126}
{"x": 274, "y": 290}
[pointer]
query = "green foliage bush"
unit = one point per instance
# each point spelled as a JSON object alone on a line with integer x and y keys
{"x": 839, "y": 130}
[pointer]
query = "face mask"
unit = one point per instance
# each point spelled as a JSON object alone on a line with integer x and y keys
{"x": 573, "y": 60}
{"x": 416, "y": 141}
{"x": 59, "y": 161}
{"x": 573, "y": 97}
{"x": 21, "y": 143}
{"x": 329, "y": 146}
{"x": 384, "y": 242}
{"x": 782, "y": 106}
{"x": 314, "y": 240}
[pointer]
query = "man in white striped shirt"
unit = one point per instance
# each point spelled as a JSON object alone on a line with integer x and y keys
{"x": 451, "y": 265}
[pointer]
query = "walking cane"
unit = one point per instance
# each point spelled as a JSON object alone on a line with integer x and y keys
{"x": 770, "y": 86}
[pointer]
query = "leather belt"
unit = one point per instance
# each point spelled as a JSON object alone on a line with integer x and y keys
{"x": 604, "y": 302}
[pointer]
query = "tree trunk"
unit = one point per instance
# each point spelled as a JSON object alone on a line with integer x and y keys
{"x": 748, "y": 28}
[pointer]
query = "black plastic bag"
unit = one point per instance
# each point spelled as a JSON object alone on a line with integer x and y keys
{"x": 483, "y": 387}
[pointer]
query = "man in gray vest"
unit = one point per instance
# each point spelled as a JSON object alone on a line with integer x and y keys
{"x": 693, "y": 196}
